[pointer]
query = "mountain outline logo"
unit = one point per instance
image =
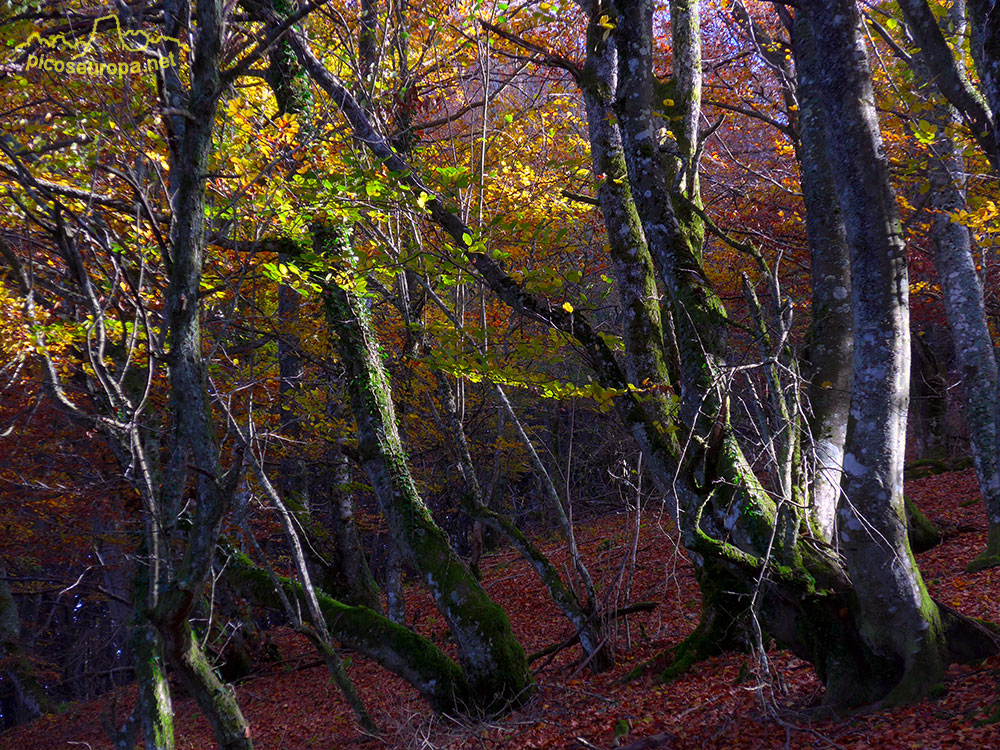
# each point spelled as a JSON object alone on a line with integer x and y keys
{"x": 136, "y": 41}
{"x": 60, "y": 41}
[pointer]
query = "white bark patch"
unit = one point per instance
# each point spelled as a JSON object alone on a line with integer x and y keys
{"x": 732, "y": 518}
{"x": 853, "y": 467}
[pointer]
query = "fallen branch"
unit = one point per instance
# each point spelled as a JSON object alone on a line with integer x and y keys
{"x": 620, "y": 612}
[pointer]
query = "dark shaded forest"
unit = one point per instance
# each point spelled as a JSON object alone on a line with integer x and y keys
{"x": 499, "y": 374}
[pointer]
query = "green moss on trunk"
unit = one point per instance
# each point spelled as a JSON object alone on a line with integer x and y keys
{"x": 414, "y": 658}
{"x": 493, "y": 661}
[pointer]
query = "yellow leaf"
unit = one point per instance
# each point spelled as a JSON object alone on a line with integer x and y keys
{"x": 567, "y": 307}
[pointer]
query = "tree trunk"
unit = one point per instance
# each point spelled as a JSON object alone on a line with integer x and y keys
{"x": 829, "y": 368}
{"x": 216, "y": 699}
{"x": 353, "y": 561}
{"x": 194, "y": 452}
{"x": 985, "y": 47}
{"x": 645, "y": 355}
{"x": 493, "y": 660}
{"x": 963, "y": 300}
{"x": 962, "y": 293}
{"x": 899, "y": 621}
{"x": 414, "y": 658}
{"x": 154, "y": 709}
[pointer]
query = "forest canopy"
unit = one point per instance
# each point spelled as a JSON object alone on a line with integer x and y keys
{"x": 305, "y": 306}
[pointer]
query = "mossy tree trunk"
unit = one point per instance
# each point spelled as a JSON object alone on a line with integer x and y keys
{"x": 493, "y": 660}
{"x": 397, "y": 648}
{"x": 898, "y": 620}
{"x": 727, "y": 519}
{"x": 635, "y": 276}
{"x": 154, "y": 709}
{"x": 712, "y": 473}
{"x": 153, "y": 715}
{"x": 193, "y": 453}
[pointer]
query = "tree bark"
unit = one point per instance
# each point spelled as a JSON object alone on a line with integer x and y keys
{"x": 194, "y": 443}
{"x": 829, "y": 367}
{"x": 985, "y": 46}
{"x": 635, "y": 275}
{"x": 900, "y": 622}
{"x": 493, "y": 660}
{"x": 397, "y": 648}
{"x": 962, "y": 291}
{"x": 352, "y": 560}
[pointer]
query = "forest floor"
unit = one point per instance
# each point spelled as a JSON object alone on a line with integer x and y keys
{"x": 732, "y": 701}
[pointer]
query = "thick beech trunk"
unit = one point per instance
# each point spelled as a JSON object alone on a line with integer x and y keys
{"x": 645, "y": 354}
{"x": 713, "y": 474}
{"x": 153, "y": 715}
{"x": 491, "y": 657}
{"x": 899, "y": 621}
{"x": 830, "y": 361}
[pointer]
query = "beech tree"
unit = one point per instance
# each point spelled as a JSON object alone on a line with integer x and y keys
{"x": 937, "y": 67}
{"x": 815, "y": 555}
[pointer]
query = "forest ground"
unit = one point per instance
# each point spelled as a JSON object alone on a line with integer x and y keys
{"x": 727, "y": 702}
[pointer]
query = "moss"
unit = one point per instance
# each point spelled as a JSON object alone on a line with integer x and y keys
{"x": 395, "y": 647}
{"x": 493, "y": 661}
{"x": 215, "y": 699}
{"x": 983, "y": 562}
{"x": 724, "y": 599}
{"x": 921, "y": 532}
